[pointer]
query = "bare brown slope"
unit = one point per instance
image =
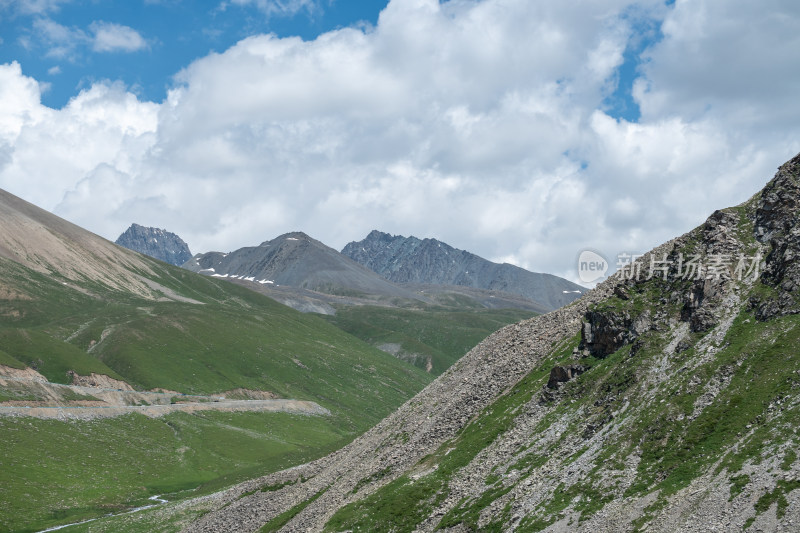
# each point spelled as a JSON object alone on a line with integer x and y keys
{"x": 48, "y": 244}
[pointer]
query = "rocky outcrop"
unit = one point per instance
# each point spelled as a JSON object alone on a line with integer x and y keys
{"x": 97, "y": 381}
{"x": 604, "y": 332}
{"x": 157, "y": 243}
{"x": 563, "y": 374}
{"x": 429, "y": 261}
{"x": 776, "y": 224}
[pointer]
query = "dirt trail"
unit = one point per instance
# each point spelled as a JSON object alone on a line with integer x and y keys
{"x": 28, "y": 393}
{"x": 154, "y": 411}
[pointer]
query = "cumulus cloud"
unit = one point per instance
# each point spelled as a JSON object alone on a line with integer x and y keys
{"x": 52, "y": 151}
{"x": 483, "y": 124}
{"x": 727, "y": 60}
{"x": 110, "y": 37}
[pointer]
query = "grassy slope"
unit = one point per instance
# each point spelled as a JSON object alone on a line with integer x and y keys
{"x": 676, "y": 445}
{"x": 55, "y": 472}
{"x": 237, "y": 338}
{"x": 443, "y": 334}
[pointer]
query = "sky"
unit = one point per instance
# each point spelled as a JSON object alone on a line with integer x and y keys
{"x": 524, "y": 131}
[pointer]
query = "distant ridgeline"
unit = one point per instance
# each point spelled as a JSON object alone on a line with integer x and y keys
{"x": 429, "y": 261}
{"x": 158, "y": 243}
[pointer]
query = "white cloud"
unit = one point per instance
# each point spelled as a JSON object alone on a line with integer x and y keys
{"x": 733, "y": 60}
{"x": 53, "y": 151}
{"x": 281, "y": 8}
{"x": 70, "y": 42}
{"x": 110, "y": 37}
{"x": 479, "y": 123}
{"x": 62, "y": 42}
{"x": 31, "y": 7}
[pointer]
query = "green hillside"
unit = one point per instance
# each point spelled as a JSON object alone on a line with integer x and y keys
{"x": 232, "y": 338}
{"x": 207, "y": 336}
{"x": 431, "y": 338}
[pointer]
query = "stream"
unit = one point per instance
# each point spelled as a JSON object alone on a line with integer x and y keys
{"x": 157, "y": 498}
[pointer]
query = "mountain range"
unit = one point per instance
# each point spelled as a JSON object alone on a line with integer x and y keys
{"x": 296, "y": 260}
{"x": 308, "y": 275}
{"x": 664, "y": 402}
{"x": 429, "y": 261}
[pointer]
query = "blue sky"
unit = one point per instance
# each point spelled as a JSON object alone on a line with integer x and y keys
{"x": 522, "y": 130}
{"x": 174, "y": 33}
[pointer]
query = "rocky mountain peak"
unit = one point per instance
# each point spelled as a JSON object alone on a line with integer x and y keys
{"x": 290, "y": 237}
{"x": 379, "y": 236}
{"x": 155, "y": 242}
{"x": 296, "y": 260}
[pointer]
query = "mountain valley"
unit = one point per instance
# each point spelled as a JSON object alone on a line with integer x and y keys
{"x": 664, "y": 400}
{"x": 80, "y": 311}
{"x": 429, "y": 325}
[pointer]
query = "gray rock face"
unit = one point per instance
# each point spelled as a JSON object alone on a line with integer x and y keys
{"x": 604, "y": 333}
{"x": 158, "y": 243}
{"x": 776, "y": 223}
{"x": 563, "y": 374}
{"x": 412, "y": 260}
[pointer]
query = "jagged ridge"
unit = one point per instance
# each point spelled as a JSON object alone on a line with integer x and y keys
{"x": 412, "y": 260}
